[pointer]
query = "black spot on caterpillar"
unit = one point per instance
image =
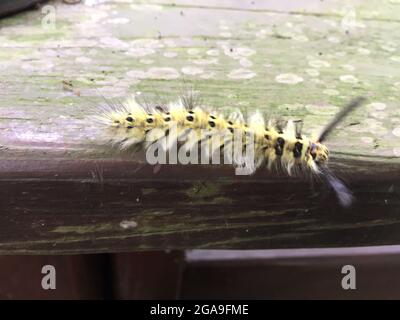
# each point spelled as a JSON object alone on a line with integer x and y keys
{"x": 298, "y": 146}
{"x": 279, "y": 143}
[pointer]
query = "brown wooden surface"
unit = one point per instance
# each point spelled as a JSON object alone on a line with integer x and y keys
{"x": 65, "y": 207}
{"x": 207, "y": 274}
{"x": 77, "y": 277}
{"x": 147, "y": 275}
{"x": 292, "y": 274}
{"x": 139, "y": 275}
{"x": 63, "y": 189}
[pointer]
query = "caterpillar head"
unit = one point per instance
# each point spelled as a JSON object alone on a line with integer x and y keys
{"x": 319, "y": 152}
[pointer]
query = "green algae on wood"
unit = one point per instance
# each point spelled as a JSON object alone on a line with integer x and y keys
{"x": 237, "y": 60}
{"x": 288, "y": 59}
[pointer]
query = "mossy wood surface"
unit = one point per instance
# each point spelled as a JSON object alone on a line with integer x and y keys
{"x": 63, "y": 190}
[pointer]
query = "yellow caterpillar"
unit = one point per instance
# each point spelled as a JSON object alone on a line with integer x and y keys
{"x": 193, "y": 127}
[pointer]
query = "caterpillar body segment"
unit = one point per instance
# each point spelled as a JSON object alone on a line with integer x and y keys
{"x": 246, "y": 145}
{"x": 132, "y": 124}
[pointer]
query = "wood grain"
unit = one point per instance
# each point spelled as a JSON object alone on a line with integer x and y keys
{"x": 64, "y": 190}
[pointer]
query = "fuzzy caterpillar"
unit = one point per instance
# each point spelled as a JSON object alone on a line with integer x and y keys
{"x": 272, "y": 144}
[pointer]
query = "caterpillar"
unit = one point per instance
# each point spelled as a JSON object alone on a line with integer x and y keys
{"x": 248, "y": 146}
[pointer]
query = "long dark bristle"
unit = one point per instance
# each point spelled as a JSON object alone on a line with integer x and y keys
{"x": 298, "y": 127}
{"x": 339, "y": 117}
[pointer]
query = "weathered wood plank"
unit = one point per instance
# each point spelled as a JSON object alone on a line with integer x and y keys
{"x": 131, "y": 208}
{"x": 235, "y": 58}
{"x": 64, "y": 191}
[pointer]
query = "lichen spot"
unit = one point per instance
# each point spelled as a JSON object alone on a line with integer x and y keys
{"x": 331, "y": 92}
{"x": 312, "y": 72}
{"x": 378, "y": 106}
{"x": 288, "y": 78}
{"x": 162, "y": 73}
{"x": 319, "y": 64}
{"x": 241, "y": 74}
{"x": 396, "y": 132}
{"x": 128, "y": 224}
{"x": 348, "y": 78}
{"x": 192, "y": 71}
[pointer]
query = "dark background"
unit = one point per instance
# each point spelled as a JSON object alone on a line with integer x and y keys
{"x": 207, "y": 274}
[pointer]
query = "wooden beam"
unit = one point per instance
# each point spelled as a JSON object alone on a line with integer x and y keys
{"x": 64, "y": 207}
{"x": 63, "y": 189}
